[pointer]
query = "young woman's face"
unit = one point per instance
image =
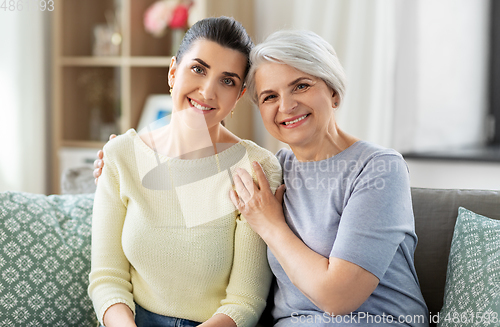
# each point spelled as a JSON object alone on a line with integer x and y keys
{"x": 207, "y": 83}
{"x": 296, "y": 107}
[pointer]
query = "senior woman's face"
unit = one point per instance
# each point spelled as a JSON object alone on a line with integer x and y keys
{"x": 296, "y": 107}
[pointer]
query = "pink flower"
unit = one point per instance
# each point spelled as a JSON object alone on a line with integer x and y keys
{"x": 158, "y": 15}
{"x": 180, "y": 17}
{"x": 166, "y": 13}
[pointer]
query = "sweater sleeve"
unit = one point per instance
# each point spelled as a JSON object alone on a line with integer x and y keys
{"x": 251, "y": 276}
{"x": 110, "y": 272}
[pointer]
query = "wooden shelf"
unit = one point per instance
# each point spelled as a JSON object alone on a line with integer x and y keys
{"x": 149, "y": 61}
{"x": 115, "y": 61}
{"x": 82, "y": 144}
{"x": 91, "y": 61}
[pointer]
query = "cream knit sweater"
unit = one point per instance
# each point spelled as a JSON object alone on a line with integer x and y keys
{"x": 166, "y": 235}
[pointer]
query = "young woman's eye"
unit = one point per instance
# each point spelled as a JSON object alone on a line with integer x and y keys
{"x": 197, "y": 69}
{"x": 228, "y": 81}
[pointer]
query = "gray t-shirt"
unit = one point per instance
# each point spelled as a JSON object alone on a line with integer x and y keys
{"x": 354, "y": 206}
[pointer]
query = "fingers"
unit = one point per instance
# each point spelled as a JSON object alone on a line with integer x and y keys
{"x": 261, "y": 176}
{"x": 98, "y": 164}
{"x": 243, "y": 192}
{"x": 280, "y": 192}
{"x": 247, "y": 180}
{"x": 239, "y": 204}
{"x": 246, "y": 189}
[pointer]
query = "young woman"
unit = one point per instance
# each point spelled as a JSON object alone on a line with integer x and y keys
{"x": 341, "y": 246}
{"x": 168, "y": 246}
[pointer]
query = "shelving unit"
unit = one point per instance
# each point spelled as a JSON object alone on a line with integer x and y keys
{"x": 115, "y": 88}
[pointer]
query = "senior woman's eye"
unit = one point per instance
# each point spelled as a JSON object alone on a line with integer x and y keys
{"x": 268, "y": 98}
{"x": 302, "y": 86}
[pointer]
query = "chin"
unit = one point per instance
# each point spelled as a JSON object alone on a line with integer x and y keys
{"x": 297, "y": 141}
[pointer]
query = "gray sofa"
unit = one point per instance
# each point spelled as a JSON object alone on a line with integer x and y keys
{"x": 45, "y": 252}
{"x": 435, "y": 213}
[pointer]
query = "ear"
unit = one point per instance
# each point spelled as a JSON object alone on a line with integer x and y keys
{"x": 239, "y": 97}
{"x": 335, "y": 100}
{"x": 171, "y": 71}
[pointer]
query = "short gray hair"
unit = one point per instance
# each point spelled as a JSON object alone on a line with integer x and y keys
{"x": 302, "y": 50}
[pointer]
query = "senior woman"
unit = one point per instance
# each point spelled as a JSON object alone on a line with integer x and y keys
{"x": 341, "y": 238}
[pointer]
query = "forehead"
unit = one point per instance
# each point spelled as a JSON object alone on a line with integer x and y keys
{"x": 272, "y": 75}
{"x": 217, "y": 56}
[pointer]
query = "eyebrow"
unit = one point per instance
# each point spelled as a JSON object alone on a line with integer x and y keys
{"x": 203, "y": 63}
{"x": 295, "y": 81}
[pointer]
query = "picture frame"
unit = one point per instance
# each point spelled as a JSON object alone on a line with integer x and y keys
{"x": 156, "y": 112}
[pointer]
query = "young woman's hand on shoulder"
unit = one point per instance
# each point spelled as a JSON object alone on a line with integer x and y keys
{"x": 99, "y": 162}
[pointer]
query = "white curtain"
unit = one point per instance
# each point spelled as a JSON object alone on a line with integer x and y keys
{"x": 416, "y": 69}
{"x": 442, "y": 74}
{"x": 23, "y": 95}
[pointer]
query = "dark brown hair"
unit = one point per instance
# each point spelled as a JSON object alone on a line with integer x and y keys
{"x": 225, "y": 31}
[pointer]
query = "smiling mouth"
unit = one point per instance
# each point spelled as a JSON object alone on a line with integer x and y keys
{"x": 199, "y": 106}
{"x": 286, "y": 123}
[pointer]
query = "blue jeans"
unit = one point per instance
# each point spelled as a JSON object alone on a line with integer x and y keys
{"x": 145, "y": 318}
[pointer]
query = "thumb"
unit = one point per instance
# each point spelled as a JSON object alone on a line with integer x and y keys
{"x": 280, "y": 192}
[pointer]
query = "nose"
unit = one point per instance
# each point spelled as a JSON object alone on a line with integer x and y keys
{"x": 287, "y": 104}
{"x": 207, "y": 89}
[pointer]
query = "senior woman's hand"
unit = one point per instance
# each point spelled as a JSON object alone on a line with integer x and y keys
{"x": 261, "y": 208}
{"x": 335, "y": 285}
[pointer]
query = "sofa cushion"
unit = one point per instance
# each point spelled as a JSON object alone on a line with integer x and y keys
{"x": 78, "y": 180}
{"x": 436, "y": 212}
{"x": 45, "y": 260}
{"x": 472, "y": 291}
